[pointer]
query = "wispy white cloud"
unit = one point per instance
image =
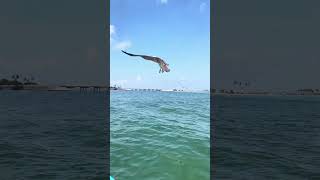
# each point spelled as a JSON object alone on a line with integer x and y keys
{"x": 115, "y": 43}
{"x": 112, "y": 30}
{"x": 163, "y": 1}
{"x": 112, "y": 33}
{"x": 122, "y": 45}
{"x": 139, "y": 78}
{"x": 202, "y": 7}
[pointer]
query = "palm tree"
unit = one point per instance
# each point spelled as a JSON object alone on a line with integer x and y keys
{"x": 235, "y": 82}
{"x": 15, "y": 78}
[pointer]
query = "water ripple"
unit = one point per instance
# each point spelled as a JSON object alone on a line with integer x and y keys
{"x": 157, "y": 139}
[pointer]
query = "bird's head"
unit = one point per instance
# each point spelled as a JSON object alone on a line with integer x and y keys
{"x": 166, "y": 68}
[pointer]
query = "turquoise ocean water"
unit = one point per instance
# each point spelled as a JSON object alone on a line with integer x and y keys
{"x": 53, "y": 135}
{"x": 159, "y": 135}
{"x": 266, "y": 137}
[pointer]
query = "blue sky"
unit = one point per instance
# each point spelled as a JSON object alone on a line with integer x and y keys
{"x": 177, "y": 31}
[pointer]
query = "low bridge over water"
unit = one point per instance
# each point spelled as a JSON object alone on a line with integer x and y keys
{"x": 87, "y": 88}
{"x": 145, "y": 89}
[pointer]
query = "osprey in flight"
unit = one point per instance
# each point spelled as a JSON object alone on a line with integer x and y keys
{"x": 163, "y": 65}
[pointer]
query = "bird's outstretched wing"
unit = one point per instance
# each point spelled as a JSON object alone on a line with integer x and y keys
{"x": 130, "y": 53}
{"x": 150, "y": 58}
{"x": 163, "y": 65}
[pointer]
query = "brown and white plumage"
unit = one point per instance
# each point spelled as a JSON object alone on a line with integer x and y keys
{"x": 163, "y": 65}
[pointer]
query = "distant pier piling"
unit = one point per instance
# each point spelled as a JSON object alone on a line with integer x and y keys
{"x": 95, "y": 89}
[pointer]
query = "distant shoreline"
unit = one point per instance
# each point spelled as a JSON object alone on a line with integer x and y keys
{"x": 52, "y": 88}
{"x": 230, "y": 95}
{"x": 95, "y": 88}
{"x": 267, "y": 93}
